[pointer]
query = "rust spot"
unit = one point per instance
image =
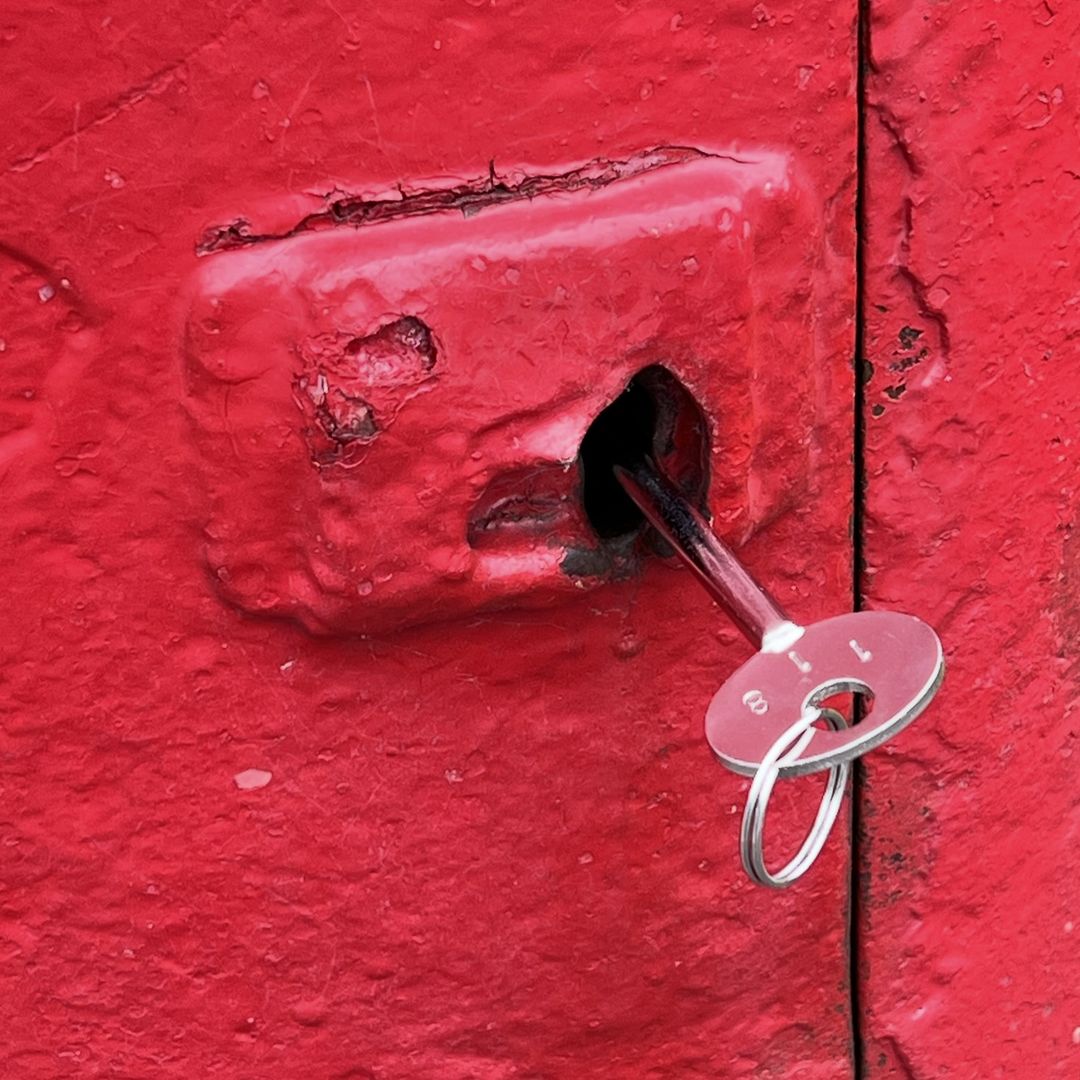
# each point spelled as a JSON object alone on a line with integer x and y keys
{"x": 908, "y": 336}
{"x": 613, "y": 559}
{"x": 906, "y": 362}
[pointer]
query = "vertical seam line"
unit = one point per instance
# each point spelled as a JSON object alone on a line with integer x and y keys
{"x": 859, "y": 482}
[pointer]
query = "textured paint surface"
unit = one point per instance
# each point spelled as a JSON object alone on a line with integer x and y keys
{"x": 969, "y": 950}
{"x": 317, "y": 366}
{"x": 492, "y": 846}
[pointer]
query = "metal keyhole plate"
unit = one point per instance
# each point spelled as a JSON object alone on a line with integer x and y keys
{"x": 896, "y": 658}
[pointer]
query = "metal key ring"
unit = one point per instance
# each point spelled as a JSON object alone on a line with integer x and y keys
{"x": 784, "y": 751}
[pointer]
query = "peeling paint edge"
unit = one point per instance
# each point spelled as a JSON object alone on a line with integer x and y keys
{"x": 469, "y": 197}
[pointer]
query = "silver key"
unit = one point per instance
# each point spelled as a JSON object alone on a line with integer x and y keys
{"x": 762, "y": 721}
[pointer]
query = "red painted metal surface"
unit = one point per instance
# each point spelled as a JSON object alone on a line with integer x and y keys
{"x": 490, "y": 846}
{"x": 969, "y": 958}
{"x": 361, "y": 477}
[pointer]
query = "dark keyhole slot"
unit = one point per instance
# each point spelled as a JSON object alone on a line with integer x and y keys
{"x": 655, "y": 415}
{"x": 623, "y": 432}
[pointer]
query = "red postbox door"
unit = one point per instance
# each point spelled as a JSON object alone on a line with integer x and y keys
{"x": 966, "y": 916}
{"x": 317, "y": 761}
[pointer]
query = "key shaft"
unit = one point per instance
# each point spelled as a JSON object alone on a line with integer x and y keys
{"x": 750, "y": 607}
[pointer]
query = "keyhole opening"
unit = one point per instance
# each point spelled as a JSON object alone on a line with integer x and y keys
{"x": 654, "y": 416}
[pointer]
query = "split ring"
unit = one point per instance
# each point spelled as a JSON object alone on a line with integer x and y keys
{"x": 782, "y": 753}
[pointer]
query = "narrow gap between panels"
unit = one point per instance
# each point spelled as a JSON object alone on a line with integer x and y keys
{"x": 858, "y": 508}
